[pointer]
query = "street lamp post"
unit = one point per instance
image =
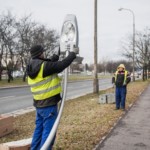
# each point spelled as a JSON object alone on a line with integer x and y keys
{"x": 95, "y": 81}
{"x": 133, "y": 69}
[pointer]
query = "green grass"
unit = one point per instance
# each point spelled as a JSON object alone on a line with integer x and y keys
{"x": 18, "y": 81}
{"x": 15, "y": 82}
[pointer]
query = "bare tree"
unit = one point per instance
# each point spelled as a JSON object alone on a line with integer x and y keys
{"x": 1, "y": 56}
{"x": 47, "y": 37}
{"x": 25, "y": 29}
{"x": 17, "y": 36}
{"x": 110, "y": 66}
{"x": 142, "y": 50}
{"x": 7, "y": 39}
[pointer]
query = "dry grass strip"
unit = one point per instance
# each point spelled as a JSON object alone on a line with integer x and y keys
{"x": 84, "y": 122}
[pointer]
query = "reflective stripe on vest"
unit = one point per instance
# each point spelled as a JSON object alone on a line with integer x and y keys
{"x": 125, "y": 76}
{"x": 43, "y": 88}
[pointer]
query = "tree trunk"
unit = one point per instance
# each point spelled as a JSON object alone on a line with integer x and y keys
{"x": 10, "y": 77}
{"x": 146, "y": 72}
{"x": 0, "y": 74}
{"x": 143, "y": 74}
{"x": 24, "y": 77}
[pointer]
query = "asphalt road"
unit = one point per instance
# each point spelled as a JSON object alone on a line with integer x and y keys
{"x": 12, "y": 99}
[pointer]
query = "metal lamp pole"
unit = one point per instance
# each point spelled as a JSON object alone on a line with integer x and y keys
{"x": 95, "y": 81}
{"x": 133, "y": 69}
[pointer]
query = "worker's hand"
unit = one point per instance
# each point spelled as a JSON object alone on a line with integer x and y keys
{"x": 76, "y": 50}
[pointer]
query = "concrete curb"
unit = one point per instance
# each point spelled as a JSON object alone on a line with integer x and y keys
{"x": 21, "y": 111}
{"x": 104, "y": 138}
{"x": 17, "y": 145}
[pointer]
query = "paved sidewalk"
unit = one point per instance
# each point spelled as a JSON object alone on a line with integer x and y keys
{"x": 133, "y": 131}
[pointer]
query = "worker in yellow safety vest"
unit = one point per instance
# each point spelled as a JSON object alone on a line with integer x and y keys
{"x": 46, "y": 88}
{"x": 121, "y": 79}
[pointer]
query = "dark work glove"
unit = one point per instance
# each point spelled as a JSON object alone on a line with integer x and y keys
{"x": 55, "y": 58}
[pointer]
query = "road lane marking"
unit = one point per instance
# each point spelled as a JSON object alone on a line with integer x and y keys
{"x": 14, "y": 98}
{"x": 6, "y": 97}
{"x": 24, "y": 96}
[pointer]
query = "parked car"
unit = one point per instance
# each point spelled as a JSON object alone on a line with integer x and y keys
{"x": 17, "y": 74}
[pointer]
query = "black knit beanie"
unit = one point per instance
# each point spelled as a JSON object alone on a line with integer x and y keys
{"x": 36, "y": 51}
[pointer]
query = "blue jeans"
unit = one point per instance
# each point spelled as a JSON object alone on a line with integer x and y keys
{"x": 121, "y": 96}
{"x": 45, "y": 118}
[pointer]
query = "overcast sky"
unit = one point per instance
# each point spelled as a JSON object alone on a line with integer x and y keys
{"x": 113, "y": 25}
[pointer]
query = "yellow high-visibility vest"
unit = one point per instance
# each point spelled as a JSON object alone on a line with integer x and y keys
{"x": 125, "y": 76}
{"x": 43, "y": 88}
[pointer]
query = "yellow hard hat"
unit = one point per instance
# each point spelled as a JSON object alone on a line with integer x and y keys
{"x": 121, "y": 66}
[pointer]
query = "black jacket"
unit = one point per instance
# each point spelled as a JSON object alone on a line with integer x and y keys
{"x": 120, "y": 79}
{"x": 50, "y": 67}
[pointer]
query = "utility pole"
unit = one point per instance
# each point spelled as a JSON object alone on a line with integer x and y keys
{"x": 95, "y": 81}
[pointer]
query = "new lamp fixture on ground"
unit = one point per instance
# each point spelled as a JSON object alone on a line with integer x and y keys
{"x": 68, "y": 40}
{"x": 133, "y": 69}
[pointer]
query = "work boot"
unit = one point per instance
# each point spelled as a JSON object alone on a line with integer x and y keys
{"x": 123, "y": 109}
{"x": 116, "y": 108}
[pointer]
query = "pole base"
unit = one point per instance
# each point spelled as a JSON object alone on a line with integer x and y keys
{"x": 96, "y": 85}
